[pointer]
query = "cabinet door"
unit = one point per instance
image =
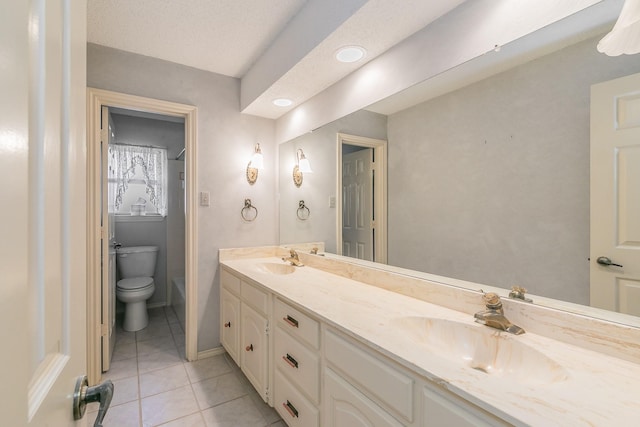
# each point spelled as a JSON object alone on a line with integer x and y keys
{"x": 230, "y": 324}
{"x": 345, "y": 406}
{"x": 440, "y": 410}
{"x": 254, "y": 352}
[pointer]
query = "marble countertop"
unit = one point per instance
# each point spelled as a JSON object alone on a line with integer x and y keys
{"x": 588, "y": 389}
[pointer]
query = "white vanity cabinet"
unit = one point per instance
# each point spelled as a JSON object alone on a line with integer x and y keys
{"x": 361, "y": 388}
{"x": 346, "y": 406}
{"x": 316, "y": 375}
{"x": 440, "y": 409}
{"x": 297, "y": 366}
{"x": 244, "y": 328}
{"x": 230, "y": 314}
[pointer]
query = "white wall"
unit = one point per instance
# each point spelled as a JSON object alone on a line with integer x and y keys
{"x": 225, "y": 144}
{"x": 320, "y": 149}
{"x": 490, "y": 183}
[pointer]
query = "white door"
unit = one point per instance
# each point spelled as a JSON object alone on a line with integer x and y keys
{"x": 357, "y": 205}
{"x": 107, "y": 245}
{"x": 615, "y": 195}
{"x": 42, "y": 164}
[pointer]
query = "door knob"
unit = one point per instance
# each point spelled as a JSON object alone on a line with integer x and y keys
{"x": 603, "y": 260}
{"x": 84, "y": 394}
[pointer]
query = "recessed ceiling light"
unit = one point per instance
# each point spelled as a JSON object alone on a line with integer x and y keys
{"x": 350, "y": 54}
{"x": 282, "y": 102}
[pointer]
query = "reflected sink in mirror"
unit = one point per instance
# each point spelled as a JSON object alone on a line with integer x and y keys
{"x": 487, "y": 350}
{"x": 276, "y": 268}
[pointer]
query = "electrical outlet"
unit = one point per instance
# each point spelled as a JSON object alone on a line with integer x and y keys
{"x": 205, "y": 199}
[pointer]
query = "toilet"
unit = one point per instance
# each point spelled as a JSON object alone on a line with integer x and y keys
{"x": 136, "y": 265}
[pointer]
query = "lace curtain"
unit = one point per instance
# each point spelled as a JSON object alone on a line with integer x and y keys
{"x": 129, "y": 164}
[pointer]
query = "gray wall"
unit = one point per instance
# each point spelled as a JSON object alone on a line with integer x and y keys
{"x": 320, "y": 148}
{"x": 225, "y": 144}
{"x": 490, "y": 183}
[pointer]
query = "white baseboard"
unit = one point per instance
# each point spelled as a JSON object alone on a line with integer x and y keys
{"x": 211, "y": 352}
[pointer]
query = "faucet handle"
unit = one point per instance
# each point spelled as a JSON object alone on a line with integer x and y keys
{"x": 491, "y": 299}
{"x": 518, "y": 292}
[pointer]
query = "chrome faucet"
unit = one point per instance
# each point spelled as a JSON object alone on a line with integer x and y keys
{"x": 493, "y": 316}
{"x": 293, "y": 259}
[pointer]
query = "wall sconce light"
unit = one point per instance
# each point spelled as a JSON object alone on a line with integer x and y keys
{"x": 256, "y": 162}
{"x": 623, "y": 39}
{"x": 302, "y": 166}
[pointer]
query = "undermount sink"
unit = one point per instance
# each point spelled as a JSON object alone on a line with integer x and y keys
{"x": 493, "y": 352}
{"x": 276, "y": 268}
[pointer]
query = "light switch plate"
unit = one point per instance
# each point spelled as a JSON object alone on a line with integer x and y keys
{"x": 205, "y": 199}
{"x": 332, "y": 201}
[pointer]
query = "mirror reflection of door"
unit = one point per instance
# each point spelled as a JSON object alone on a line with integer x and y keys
{"x": 615, "y": 195}
{"x": 357, "y": 202}
{"x": 362, "y": 198}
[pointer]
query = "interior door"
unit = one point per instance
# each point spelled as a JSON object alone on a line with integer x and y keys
{"x": 615, "y": 195}
{"x": 357, "y": 205}
{"x": 42, "y": 164}
{"x": 107, "y": 245}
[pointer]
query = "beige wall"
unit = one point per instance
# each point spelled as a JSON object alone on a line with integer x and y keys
{"x": 225, "y": 144}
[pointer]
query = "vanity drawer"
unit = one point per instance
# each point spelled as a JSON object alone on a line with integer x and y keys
{"x": 257, "y": 298}
{"x": 230, "y": 282}
{"x": 297, "y": 324}
{"x": 298, "y": 363}
{"x": 294, "y": 409}
{"x": 389, "y": 387}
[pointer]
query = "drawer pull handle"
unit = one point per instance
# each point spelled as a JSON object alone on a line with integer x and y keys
{"x": 291, "y": 409}
{"x": 227, "y": 325}
{"x": 291, "y": 321}
{"x": 290, "y": 360}
{"x": 249, "y": 347}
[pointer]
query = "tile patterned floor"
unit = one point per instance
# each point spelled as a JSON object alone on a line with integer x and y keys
{"x": 156, "y": 386}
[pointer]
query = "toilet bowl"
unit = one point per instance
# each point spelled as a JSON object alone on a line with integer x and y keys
{"x": 136, "y": 265}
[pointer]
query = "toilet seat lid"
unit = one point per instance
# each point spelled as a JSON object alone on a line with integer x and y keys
{"x": 134, "y": 283}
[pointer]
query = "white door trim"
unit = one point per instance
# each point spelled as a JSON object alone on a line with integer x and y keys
{"x": 380, "y": 192}
{"x": 95, "y": 99}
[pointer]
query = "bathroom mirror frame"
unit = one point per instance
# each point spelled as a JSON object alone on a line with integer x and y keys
{"x": 549, "y": 302}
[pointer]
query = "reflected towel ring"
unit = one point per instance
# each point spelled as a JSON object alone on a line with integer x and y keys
{"x": 303, "y": 211}
{"x": 246, "y": 211}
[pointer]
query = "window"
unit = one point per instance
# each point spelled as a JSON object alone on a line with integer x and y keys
{"x": 137, "y": 180}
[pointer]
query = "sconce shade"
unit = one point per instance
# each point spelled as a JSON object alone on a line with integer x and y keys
{"x": 257, "y": 161}
{"x": 305, "y": 167}
{"x": 303, "y": 163}
{"x": 625, "y": 36}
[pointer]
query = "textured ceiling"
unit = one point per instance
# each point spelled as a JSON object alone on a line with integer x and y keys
{"x": 222, "y": 36}
{"x": 230, "y": 37}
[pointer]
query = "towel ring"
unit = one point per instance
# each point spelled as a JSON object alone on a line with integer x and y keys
{"x": 246, "y": 211}
{"x": 301, "y": 211}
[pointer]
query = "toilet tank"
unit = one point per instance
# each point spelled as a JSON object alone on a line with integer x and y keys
{"x": 136, "y": 261}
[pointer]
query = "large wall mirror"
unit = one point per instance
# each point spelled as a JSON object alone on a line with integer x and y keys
{"x": 488, "y": 181}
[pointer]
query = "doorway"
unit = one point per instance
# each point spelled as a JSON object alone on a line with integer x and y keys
{"x": 361, "y": 230}
{"x": 98, "y": 226}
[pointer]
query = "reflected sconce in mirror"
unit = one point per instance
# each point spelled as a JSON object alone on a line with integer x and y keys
{"x": 256, "y": 163}
{"x": 302, "y": 166}
{"x": 625, "y": 36}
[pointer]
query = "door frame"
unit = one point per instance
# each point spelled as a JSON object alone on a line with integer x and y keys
{"x": 96, "y": 98}
{"x": 379, "y": 193}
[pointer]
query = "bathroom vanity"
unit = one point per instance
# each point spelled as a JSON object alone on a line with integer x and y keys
{"x": 340, "y": 344}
